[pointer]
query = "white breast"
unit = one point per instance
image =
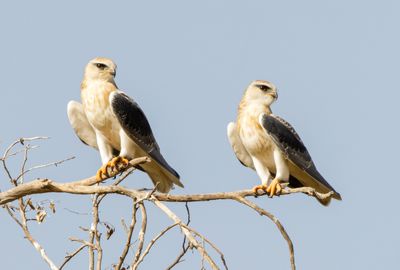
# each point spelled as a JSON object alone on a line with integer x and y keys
{"x": 255, "y": 139}
{"x": 95, "y": 100}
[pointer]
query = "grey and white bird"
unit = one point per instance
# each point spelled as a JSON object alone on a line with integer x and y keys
{"x": 269, "y": 145}
{"x": 113, "y": 123}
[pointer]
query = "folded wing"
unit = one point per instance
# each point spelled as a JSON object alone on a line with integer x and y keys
{"x": 80, "y": 124}
{"x": 301, "y": 165}
{"x": 135, "y": 124}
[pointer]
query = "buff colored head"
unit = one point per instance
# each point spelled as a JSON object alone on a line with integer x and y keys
{"x": 101, "y": 68}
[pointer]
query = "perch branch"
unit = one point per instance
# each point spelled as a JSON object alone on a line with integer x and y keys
{"x": 88, "y": 186}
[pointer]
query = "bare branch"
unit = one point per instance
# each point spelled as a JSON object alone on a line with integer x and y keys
{"x": 56, "y": 163}
{"x": 208, "y": 242}
{"x": 91, "y": 186}
{"x": 128, "y": 238}
{"x": 45, "y": 185}
{"x": 150, "y": 245}
{"x": 41, "y": 186}
{"x": 277, "y": 223}
{"x": 70, "y": 256}
{"x": 141, "y": 235}
{"x": 94, "y": 231}
{"x": 24, "y": 227}
{"x": 180, "y": 256}
{"x": 73, "y": 239}
{"x": 189, "y": 236}
{"x": 185, "y": 247}
{"x": 7, "y": 152}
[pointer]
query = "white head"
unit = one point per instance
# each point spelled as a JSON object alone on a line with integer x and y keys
{"x": 101, "y": 69}
{"x": 261, "y": 91}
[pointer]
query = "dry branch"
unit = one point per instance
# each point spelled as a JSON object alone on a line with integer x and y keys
{"x": 92, "y": 186}
{"x": 188, "y": 234}
{"x": 68, "y": 257}
{"x": 128, "y": 238}
{"x": 141, "y": 236}
{"x": 150, "y": 245}
{"x": 41, "y": 186}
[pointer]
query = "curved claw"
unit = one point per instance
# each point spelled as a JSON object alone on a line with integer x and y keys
{"x": 112, "y": 168}
{"x": 274, "y": 188}
{"x": 102, "y": 173}
{"x": 257, "y": 188}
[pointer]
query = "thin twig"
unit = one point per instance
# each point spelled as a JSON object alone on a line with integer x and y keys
{"x": 38, "y": 247}
{"x": 128, "y": 238}
{"x": 73, "y": 239}
{"x": 70, "y": 256}
{"x": 23, "y": 165}
{"x": 178, "y": 259}
{"x": 189, "y": 236}
{"x": 9, "y": 148}
{"x": 23, "y": 222}
{"x": 56, "y": 163}
{"x": 185, "y": 247}
{"x": 141, "y": 235}
{"x": 19, "y": 151}
{"x": 208, "y": 242}
{"x": 277, "y": 223}
{"x": 150, "y": 245}
{"x": 94, "y": 232}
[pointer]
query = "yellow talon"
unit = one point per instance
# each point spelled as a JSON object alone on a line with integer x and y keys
{"x": 98, "y": 175}
{"x": 112, "y": 168}
{"x": 257, "y": 188}
{"x": 274, "y": 188}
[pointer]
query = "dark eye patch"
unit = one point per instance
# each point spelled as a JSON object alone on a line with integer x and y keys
{"x": 263, "y": 87}
{"x": 101, "y": 65}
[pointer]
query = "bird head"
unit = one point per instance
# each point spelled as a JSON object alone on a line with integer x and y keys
{"x": 101, "y": 68}
{"x": 261, "y": 91}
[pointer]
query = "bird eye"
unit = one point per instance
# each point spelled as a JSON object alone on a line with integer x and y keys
{"x": 101, "y": 66}
{"x": 263, "y": 87}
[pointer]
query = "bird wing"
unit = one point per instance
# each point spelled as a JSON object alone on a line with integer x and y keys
{"x": 80, "y": 124}
{"x": 289, "y": 142}
{"x": 238, "y": 147}
{"x": 134, "y": 122}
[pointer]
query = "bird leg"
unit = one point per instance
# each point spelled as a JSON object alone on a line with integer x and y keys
{"x": 112, "y": 168}
{"x": 274, "y": 188}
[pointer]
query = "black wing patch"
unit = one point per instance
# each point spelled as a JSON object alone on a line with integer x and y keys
{"x": 136, "y": 126}
{"x": 133, "y": 121}
{"x": 289, "y": 142}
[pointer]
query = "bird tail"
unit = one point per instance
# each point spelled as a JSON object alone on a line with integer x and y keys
{"x": 163, "y": 179}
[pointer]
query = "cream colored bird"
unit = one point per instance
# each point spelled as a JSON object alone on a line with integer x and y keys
{"x": 269, "y": 145}
{"x": 113, "y": 123}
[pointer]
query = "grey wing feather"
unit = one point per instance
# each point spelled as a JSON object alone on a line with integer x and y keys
{"x": 136, "y": 126}
{"x": 80, "y": 124}
{"x": 238, "y": 147}
{"x": 289, "y": 142}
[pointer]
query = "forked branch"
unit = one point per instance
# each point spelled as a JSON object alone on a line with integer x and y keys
{"x": 92, "y": 186}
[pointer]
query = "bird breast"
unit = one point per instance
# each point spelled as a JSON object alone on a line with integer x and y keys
{"x": 253, "y": 136}
{"x": 95, "y": 100}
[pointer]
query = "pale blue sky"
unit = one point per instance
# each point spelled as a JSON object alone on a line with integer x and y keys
{"x": 336, "y": 66}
